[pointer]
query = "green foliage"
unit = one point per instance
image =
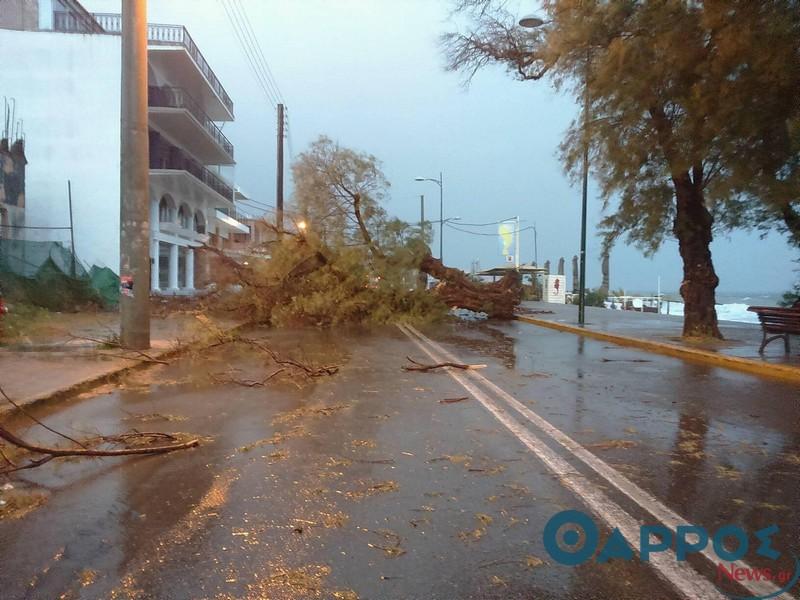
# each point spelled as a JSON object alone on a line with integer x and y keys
{"x": 351, "y": 288}
{"x": 593, "y": 297}
{"x": 329, "y": 179}
{"x": 22, "y": 320}
{"x": 791, "y": 297}
{"x": 352, "y": 263}
{"x": 705, "y": 91}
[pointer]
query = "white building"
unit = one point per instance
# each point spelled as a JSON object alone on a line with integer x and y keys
{"x": 62, "y": 66}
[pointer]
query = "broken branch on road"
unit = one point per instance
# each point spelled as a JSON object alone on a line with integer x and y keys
{"x": 418, "y": 366}
{"x": 127, "y": 444}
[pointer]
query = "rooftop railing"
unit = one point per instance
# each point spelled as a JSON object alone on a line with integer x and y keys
{"x": 175, "y": 97}
{"x": 170, "y": 35}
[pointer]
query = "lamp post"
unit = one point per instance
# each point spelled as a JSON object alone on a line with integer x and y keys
{"x": 533, "y": 22}
{"x": 441, "y": 211}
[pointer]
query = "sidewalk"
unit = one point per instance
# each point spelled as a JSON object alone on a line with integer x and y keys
{"x": 51, "y": 362}
{"x": 662, "y": 333}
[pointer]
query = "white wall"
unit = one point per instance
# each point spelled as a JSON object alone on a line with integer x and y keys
{"x": 67, "y": 88}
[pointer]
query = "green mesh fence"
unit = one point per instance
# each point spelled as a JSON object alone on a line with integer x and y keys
{"x": 47, "y": 274}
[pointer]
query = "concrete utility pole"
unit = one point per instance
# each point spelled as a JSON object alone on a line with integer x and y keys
{"x": 279, "y": 178}
{"x": 134, "y": 235}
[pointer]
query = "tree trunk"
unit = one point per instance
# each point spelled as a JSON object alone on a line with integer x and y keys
{"x": 692, "y": 228}
{"x": 498, "y": 300}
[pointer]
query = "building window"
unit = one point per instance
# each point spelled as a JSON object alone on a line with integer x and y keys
{"x": 199, "y": 222}
{"x": 163, "y": 265}
{"x": 165, "y": 208}
{"x": 185, "y": 217}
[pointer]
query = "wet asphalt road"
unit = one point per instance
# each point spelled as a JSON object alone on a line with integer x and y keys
{"x": 365, "y": 485}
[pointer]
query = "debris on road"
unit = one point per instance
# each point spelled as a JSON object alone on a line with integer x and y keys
{"x": 453, "y": 400}
{"x": 613, "y": 444}
{"x": 418, "y": 366}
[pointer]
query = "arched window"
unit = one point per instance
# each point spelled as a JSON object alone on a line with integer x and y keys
{"x": 199, "y": 222}
{"x": 165, "y": 209}
{"x": 185, "y": 217}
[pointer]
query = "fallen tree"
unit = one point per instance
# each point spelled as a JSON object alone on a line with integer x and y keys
{"x": 349, "y": 262}
{"x": 498, "y": 300}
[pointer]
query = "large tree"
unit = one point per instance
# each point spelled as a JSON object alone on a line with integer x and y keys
{"x": 339, "y": 192}
{"x": 690, "y": 106}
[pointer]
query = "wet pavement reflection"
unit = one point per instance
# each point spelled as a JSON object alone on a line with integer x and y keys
{"x": 367, "y": 485}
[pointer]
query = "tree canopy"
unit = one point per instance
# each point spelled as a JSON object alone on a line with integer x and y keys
{"x": 692, "y": 114}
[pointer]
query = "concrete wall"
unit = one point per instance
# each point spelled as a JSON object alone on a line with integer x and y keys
{"x": 19, "y": 14}
{"x": 67, "y": 88}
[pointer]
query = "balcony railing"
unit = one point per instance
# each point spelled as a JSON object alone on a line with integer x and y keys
{"x": 178, "y": 161}
{"x": 175, "y": 97}
{"x": 75, "y": 22}
{"x": 170, "y": 35}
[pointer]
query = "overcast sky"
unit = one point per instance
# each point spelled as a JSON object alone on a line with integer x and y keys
{"x": 370, "y": 74}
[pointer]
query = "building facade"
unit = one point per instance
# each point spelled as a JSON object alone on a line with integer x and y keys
{"x": 62, "y": 66}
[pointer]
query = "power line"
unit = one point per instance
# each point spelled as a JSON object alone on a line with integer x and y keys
{"x": 260, "y": 53}
{"x": 245, "y": 47}
{"x": 487, "y": 234}
{"x": 460, "y": 224}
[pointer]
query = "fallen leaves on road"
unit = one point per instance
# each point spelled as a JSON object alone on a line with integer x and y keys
{"x": 363, "y": 444}
{"x": 393, "y": 548}
{"x": 87, "y": 577}
{"x": 302, "y": 579}
{"x": 149, "y": 418}
{"x": 613, "y": 444}
{"x": 726, "y": 472}
{"x": 308, "y": 411}
{"x": 476, "y": 534}
{"x": 529, "y": 562}
{"x": 16, "y": 503}
{"x": 382, "y": 487}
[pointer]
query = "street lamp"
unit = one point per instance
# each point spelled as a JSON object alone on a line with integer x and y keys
{"x": 441, "y": 210}
{"x": 532, "y": 22}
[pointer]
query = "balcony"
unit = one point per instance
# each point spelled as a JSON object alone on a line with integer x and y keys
{"x": 176, "y": 113}
{"x": 75, "y": 21}
{"x": 175, "y": 37}
{"x": 176, "y": 160}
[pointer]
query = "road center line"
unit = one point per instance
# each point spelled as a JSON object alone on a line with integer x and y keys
{"x": 645, "y": 500}
{"x": 678, "y": 575}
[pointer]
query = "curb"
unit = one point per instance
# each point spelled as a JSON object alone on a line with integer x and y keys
{"x": 703, "y": 356}
{"x": 112, "y": 375}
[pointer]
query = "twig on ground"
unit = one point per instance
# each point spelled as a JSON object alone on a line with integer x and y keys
{"x": 453, "y": 400}
{"x": 144, "y": 356}
{"x": 288, "y": 362}
{"x": 418, "y": 366}
{"x": 86, "y": 449}
{"x": 35, "y": 420}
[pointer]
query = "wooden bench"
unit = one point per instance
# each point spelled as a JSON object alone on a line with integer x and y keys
{"x": 777, "y": 323}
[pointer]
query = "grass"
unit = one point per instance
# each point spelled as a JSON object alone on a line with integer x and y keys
{"x": 25, "y": 320}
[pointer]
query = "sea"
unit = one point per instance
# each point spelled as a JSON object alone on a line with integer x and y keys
{"x": 730, "y": 307}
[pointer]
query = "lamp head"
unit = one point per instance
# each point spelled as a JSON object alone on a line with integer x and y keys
{"x": 531, "y": 22}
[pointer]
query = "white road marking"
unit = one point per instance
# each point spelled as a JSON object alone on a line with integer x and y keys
{"x": 679, "y": 575}
{"x": 646, "y": 501}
